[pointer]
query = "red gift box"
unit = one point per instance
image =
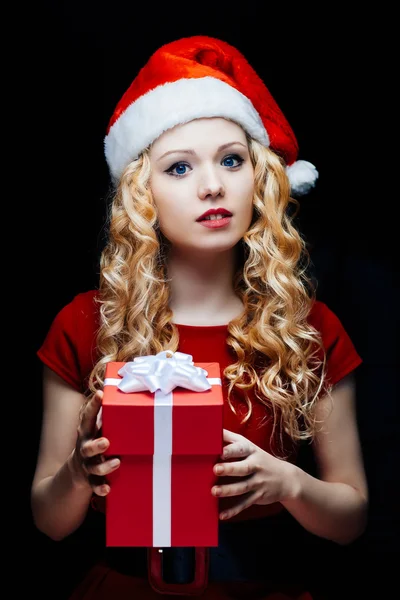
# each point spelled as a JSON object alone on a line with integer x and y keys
{"x": 168, "y": 441}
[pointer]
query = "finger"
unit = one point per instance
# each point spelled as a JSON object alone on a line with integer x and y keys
{"x": 94, "y": 447}
{"x": 101, "y": 489}
{"x": 238, "y": 449}
{"x": 235, "y": 489}
{"x": 103, "y": 468}
{"x": 246, "y": 502}
{"x": 89, "y": 415}
{"x": 230, "y": 436}
{"x": 240, "y": 468}
{"x": 99, "y": 420}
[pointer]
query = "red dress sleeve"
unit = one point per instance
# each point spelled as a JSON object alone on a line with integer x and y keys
{"x": 342, "y": 356}
{"x": 69, "y": 346}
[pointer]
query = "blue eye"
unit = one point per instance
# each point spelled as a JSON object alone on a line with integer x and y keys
{"x": 177, "y": 169}
{"x": 233, "y": 160}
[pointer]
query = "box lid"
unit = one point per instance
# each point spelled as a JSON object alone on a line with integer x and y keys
{"x": 194, "y": 421}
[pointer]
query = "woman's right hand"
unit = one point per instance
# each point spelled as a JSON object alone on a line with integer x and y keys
{"x": 89, "y": 464}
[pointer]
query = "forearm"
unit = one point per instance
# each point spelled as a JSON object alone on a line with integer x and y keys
{"x": 60, "y": 502}
{"x": 335, "y": 511}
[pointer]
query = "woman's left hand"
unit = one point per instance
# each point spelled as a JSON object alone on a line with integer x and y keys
{"x": 266, "y": 479}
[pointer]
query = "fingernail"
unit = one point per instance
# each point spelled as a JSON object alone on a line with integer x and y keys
{"x": 219, "y": 469}
{"x": 216, "y": 491}
{"x": 102, "y": 444}
{"x": 114, "y": 462}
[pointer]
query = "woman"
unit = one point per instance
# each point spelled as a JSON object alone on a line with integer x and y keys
{"x": 203, "y": 257}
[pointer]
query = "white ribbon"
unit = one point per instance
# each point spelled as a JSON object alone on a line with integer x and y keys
{"x": 160, "y": 374}
{"x": 164, "y": 371}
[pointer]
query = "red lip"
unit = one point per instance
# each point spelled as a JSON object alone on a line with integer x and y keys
{"x": 215, "y": 211}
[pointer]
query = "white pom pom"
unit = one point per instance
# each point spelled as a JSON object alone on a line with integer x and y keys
{"x": 302, "y": 176}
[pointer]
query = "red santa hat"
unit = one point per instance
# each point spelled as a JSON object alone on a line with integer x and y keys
{"x": 197, "y": 77}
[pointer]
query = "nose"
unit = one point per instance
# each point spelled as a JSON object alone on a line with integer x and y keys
{"x": 211, "y": 186}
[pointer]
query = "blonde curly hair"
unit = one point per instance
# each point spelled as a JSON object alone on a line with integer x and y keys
{"x": 279, "y": 354}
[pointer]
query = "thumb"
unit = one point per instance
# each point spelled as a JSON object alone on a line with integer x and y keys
{"x": 230, "y": 436}
{"x": 90, "y": 414}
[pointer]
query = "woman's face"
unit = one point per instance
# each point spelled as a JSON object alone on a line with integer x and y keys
{"x": 197, "y": 166}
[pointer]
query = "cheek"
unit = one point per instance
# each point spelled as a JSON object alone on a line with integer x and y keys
{"x": 246, "y": 193}
{"x": 163, "y": 198}
{"x": 244, "y": 185}
{"x": 171, "y": 208}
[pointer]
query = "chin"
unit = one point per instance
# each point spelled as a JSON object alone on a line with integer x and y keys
{"x": 216, "y": 248}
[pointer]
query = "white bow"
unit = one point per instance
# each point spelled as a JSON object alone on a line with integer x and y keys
{"x": 163, "y": 371}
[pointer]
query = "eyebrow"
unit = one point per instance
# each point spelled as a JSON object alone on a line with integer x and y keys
{"x": 191, "y": 151}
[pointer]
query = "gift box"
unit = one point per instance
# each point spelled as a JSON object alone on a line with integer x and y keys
{"x": 163, "y": 416}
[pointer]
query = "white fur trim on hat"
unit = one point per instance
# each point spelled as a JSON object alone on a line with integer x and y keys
{"x": 302, "y": 176}
{"x": 172, "y": 104}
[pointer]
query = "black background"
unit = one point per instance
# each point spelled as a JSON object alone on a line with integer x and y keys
{"x": 327, "y": 72}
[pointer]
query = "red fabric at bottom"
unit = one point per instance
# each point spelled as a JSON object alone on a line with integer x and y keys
{"x": 103, "y": 583}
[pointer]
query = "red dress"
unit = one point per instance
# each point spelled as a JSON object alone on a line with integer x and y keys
{"x": 69, "y": 350}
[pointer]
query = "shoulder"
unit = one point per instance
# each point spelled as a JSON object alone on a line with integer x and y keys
{"x": 84, "y": 302}
{"x": 320, "y": 311}
{"x": 76, "y": 323}
{"x": 82, "y": 308}
{"x": 342, "y": 356}
{"x": 69, "y": 347}
{"x": 323, "y": 319}
{"x": 85, "y": 305}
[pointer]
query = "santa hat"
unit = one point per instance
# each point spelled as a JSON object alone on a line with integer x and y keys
{"x": 197, "y": 77}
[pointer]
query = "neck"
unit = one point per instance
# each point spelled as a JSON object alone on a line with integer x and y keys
{"x": 202, "y": 288}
